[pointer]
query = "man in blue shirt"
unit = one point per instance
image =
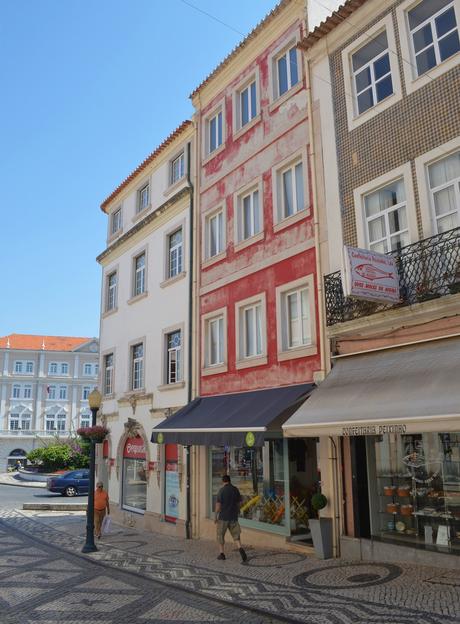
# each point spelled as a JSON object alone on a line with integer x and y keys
{"x": 227, "y": 512}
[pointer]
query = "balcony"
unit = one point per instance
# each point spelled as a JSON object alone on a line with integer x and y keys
{"x": 32, "y": 433}
{"x": 428, "y": 269}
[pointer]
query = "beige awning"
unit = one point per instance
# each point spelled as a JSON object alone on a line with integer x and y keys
{"x": 411, "y": 389}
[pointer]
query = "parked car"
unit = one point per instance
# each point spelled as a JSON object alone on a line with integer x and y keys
{"x": 70, "y": 483}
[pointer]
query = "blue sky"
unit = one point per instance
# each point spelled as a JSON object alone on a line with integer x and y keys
{"x": 88, "y": 89}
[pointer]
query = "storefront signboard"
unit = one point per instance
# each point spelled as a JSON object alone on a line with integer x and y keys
{"x": 134, "y": 448}
{"x": 361, "y": 430}
{"x": 250, "y": 439}
{"x": 370, "y": 276}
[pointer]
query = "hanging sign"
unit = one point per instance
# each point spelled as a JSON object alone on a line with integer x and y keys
{"x": 134, "y": 448}
{"x": 250, "y": 439}
{"x": 370, "y": 275}
{"x": 172, "y": 494}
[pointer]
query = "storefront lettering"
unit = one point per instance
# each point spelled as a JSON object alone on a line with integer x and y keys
{"x": 360, "y": 430}
{"x": 133, "y": 449}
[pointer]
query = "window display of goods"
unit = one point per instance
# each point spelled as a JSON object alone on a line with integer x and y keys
{"x": 406, "y": 510}
{"x": 403, "y": 490}
{"x": 389, "y": 490}
{"x": 392, "y": 507}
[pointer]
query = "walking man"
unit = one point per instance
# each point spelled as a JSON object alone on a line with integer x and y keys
{"x": 227, "y": 510}
{"x": 101, "y": 504}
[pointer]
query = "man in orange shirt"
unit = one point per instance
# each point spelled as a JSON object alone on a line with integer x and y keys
{"x": 101, "y": 504}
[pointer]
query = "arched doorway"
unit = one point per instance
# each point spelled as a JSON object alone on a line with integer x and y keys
{"x": 134, "y": 483}
{"x": 15, "y": 456}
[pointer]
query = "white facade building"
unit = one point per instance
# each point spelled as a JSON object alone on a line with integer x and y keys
{"x": 44, "y": 386}
{"x": 146, "y": 283}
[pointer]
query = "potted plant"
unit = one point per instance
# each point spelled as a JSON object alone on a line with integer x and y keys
{"x": 321, "y": 528}
{"x": 424, "y": 291}
{"x": 94, "y": 434}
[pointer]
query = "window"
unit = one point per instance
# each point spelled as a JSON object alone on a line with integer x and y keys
{"x": 137, "y": 366}
{"x": 108, "y": 374}
{"x": 63, "y": 392}
{"x": 20, "y": 422}
{"x": 214, "y": 234}
{"x": 297, "y": 315}
{"x": 372, "y": 73}
{"x": 18, "y": 367}
{"x": 25, "y": 421}
{"x": 55, "y": 421}
{"x": 386, "y": 218}
{"x": 53, "y": 368}
{"x": 177, "y": 168}
{"x": 433, "y": 33}
{"x": 251, "y": 328}
{"x": 139, "y": 275}
{"x": 64, "y": 368}
{"x": 85, "y": 393}
{"x": 249, "y": 215}
{"x": 115, "y": 221}
{"x": 51, "y": 392}
{"x": 27, "y": 391}
{"x": 246, "y": 104}
{"x": 29, "y": 367}
{"x": 143, "y": 198}
{"x": 85, "y": 419}
{"x": 14, "y": 422}
{"x": 16, "y": 391}
{"x": 290, "y": 190}
{"x": 111, "y": 295}
{"x": 173, "y": 357}
{"x": 175, "y": 253}
{"x": 214, "y": 337}
{"x": 214, "y": 138}
{"x": 96, "y": 369}
{"x": 444, "y": 184}
{"x": 286, "y": 71}
{"x": 87, "y": 369}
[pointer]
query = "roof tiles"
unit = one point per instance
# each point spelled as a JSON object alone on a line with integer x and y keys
{"x": 41, "y": 343}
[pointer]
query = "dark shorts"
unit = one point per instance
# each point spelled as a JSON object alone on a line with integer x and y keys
{"x": 233, "y": 527}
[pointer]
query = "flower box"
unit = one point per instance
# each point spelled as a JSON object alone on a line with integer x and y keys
{"x": 95, "y": 434}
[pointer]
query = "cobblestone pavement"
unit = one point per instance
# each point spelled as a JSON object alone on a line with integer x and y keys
{"x": 40, "y": 584}
{"x": 283, "y": 584}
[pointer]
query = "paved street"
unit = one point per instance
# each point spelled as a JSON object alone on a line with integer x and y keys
{"x": 145, "y": 575}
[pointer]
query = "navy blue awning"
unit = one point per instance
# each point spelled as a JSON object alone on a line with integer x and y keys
{"x": 226, "y": 419}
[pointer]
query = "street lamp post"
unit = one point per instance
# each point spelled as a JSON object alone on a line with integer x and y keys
{"x": 94, "y": 400}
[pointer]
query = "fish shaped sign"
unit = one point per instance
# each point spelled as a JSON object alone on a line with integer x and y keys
{"x": 370, "y": 275}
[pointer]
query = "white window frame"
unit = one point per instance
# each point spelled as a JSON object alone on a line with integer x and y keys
{"x": 85, "y": 392}
{"x": 248, "y": 191}
{"x": 255, "y": 115}
{"x": 116, "y": 222}
{"x": 29, "y": 364}
{"x": 27, "y": 391}
{"x": 174, "y": 355}
{"x": 85, "y": 418}
{"x": 87, "y": 369}
{"x": 359, "y": 193}
{"x": 180, "y": 159}
{"x": 14, "y": 417}
{"x": 206, "y": 228}
{"x": 206, "y": 368}
{"x": 175, "y": 254}
{"x": 354, "y": 118}
{"x": 137, "y": 367}
{"x": 16, "y": 391}
{"x": 218, "y": 322}
{"x": 63, "y": 393}
{"x": 53, "y": 368}
{"x": 242, "y": 359}
{"x": 208, "y": 117}
{"x": 111, "y": 291}
{"x": 283, "y": 50}
{"x": 52, "y": 392}
{"x": 139, "y": 273}
{"x": 64, "y": 368}
{"x": 424, "y": 192}
{"x": 290, "y": 163}
{"x": 109, "y": 370}
{"x": 142, "y": 204}
{"x": 18, "y": 366}
{"x": 285, "y": 351}
{"x": 412, "y": 80}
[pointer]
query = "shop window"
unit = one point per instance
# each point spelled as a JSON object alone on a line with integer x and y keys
{"x": 416, "y": 500}
{"x": 134, "y": 484}
{"x": 258, "y": 473}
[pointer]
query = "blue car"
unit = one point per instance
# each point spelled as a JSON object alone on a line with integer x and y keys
{"x": 70, "y": 483}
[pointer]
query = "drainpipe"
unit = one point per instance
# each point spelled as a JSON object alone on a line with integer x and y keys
{"x": 188, "y": 526}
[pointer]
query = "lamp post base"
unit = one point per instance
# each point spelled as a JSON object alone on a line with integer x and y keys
{"x": 87, "y": 548}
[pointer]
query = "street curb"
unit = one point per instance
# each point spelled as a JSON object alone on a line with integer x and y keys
{"x": 25, "y": 484}
{"x": 53, "y": 507}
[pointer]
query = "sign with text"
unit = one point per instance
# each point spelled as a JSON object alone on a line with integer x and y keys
{"x": 370, "y": 275}
{"x": 361, "y": 430}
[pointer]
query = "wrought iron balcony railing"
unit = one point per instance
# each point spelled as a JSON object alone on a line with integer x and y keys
{"x": 427, "y": 270}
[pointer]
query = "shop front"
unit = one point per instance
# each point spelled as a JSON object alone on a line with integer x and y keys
{"x": 240, "y": 435}
{"x": 134, "y": 476}
{"x": 395, "y": 415}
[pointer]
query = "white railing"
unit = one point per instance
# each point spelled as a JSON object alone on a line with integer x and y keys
{"x": 32, "y": 433}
